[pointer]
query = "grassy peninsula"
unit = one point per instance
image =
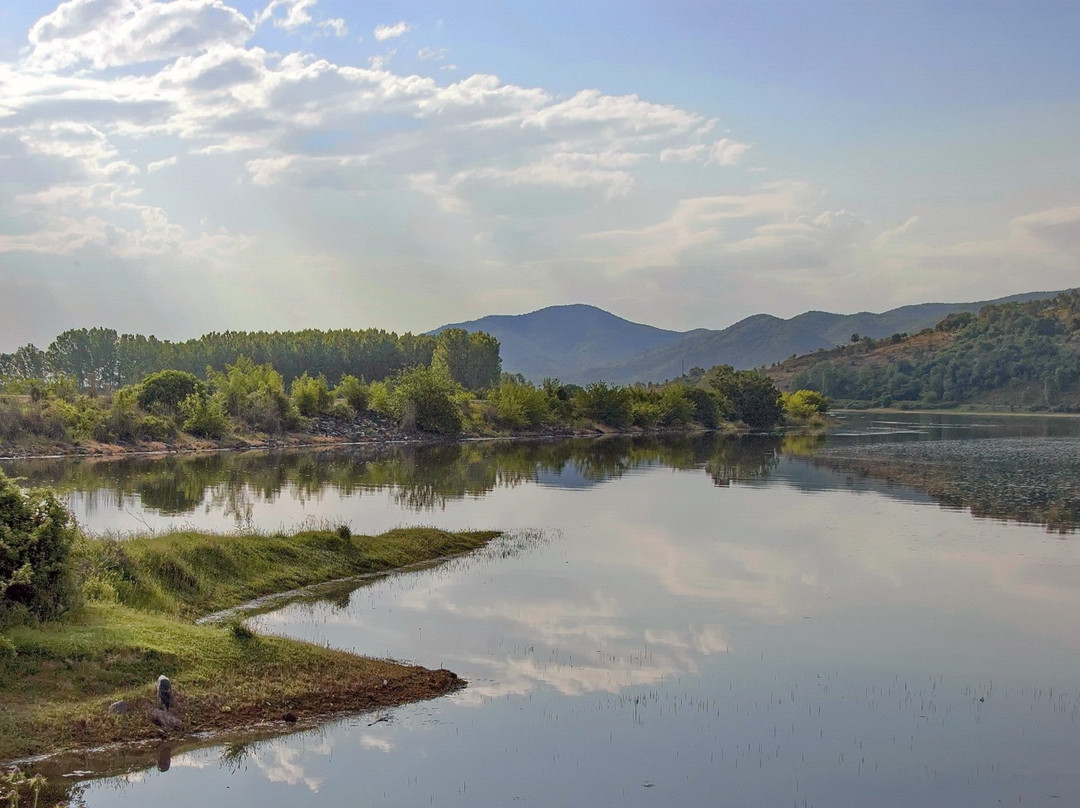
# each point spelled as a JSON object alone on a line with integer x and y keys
{"x": 131, "y": 618}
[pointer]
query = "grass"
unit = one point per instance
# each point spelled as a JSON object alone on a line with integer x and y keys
{"x": 56, "y": 688}
{"x": 190, "y": 574}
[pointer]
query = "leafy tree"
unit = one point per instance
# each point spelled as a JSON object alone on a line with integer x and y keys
{"x": 354, "y": 391}
{"x": 604, "y": 403}
{"x": 426, "y": 399}
{"x": 747, "y": 395}
{"x": 518, "y": 403}
{"x": 87, "y": 355}
{"x": 471, "y": 360}
{"x": 36, "y": 535}
{"x": 205, "y": 416}
{"x": 706, "y": 410}
{"x": 311, "y": 396}
{"x": 163, "y": 391}
{"x": 804, "y": 403}
{"x": 255, "y": 394}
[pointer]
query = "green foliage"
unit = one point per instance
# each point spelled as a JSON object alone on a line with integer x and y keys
{"x": 205, "y": 416}
{"x": 255, "y": 395}
{"x": 560, "y": 398}
{"x": 706, "y": 410}
{"x": 519, "y": 404}
{"x": 1025, "y": 354}
{"x": 604, "y": 403}
{"x": 354, "y": 391}
{"x": 804, "y": 403}
{"x": 163, "y": 391}
{"x": 426, "y": 399}
{"x": 471, "y": 360}
{"x": 380, "y": 400}
{"x": 311, "y": 396}
{"x": 36, "y": 535}
{"x": 747, "y": 395}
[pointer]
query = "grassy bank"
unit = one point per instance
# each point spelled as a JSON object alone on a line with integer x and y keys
{"x": 57, "y": 684}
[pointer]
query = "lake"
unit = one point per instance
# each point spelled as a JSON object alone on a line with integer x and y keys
{"x": 888, "y": 616}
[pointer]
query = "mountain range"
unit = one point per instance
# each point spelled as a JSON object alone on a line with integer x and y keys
{"x": 579, "y": 343}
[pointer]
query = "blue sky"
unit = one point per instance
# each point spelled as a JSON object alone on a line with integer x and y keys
{"x": 193, "y": 165}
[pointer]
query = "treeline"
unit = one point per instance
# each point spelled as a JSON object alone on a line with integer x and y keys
{"x": 1016, "y": 355}
{"x": 249, "y": 399}
{"x": 99, "y": 360}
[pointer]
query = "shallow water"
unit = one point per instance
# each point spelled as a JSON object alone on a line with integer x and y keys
{"x": 702, "y": 622}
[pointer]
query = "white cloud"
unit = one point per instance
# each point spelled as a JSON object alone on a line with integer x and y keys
{"x": 109, "y": 33}
{"x": 726, "y": 152}
{"x": 157, "y": 165}
{"x": 287, "y": 14}
{"x": 462, "y": 186}
{"x": 384, "y": 32}
{"x": 336, "y": 26}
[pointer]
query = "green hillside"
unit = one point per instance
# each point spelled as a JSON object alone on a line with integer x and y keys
{"x": 1021, "y": 355}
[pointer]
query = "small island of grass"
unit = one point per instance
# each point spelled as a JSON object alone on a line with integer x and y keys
{"x": 88, "y": 624}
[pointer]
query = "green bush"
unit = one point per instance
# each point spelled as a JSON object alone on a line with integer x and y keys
{"x": 311, "y": 395}
{"x": 165, "y": 390}
{"x": 602, "y": 402}
{"x": 36, "y": 535}
{"x": 255, "y": 394}
{"x": 805, "y": 403}
{"x": 427, "y": 400}
{"x": 706, "y": 410}
{"x": 205, "y": 416}
{"x": 354, "y": 391}
{"x": 519, "y": 404}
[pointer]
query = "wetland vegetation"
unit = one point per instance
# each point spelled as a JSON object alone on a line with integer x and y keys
{"x": 88, "y": 622}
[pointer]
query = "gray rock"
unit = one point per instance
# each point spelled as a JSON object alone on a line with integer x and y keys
{"x": 119, "y": 707}
{"x": 166, "y": 720}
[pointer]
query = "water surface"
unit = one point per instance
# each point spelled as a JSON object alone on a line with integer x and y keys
{"x": 703, "y": 622}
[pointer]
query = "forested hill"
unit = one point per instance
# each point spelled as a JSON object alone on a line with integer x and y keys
{"x": 581, "y": 344}
{"x": 1023, "y": 355}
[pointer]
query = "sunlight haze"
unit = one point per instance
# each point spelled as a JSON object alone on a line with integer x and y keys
{"x": 174, "y": 168}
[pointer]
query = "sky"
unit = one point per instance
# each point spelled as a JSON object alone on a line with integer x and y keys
{"x": 179, "y": 167}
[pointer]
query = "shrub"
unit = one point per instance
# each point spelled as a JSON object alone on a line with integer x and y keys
{"x": 676, "y": 408}
{"x": 519, "y": 404}
{"x": 354, "y": 391}
{"x": 36, "y": 535}
{"x": 705, "y": 409}
{"x": 426, "y": 399}
{"x": 311, "y": 395}
{"x": 342, "y": 411}
{"x": 255, "y": 394}
{"x": 166, "y": 389}
{"x": 604, "y": 403}
{"x": 805, "y": 403}
{"x": 204, "y": 416}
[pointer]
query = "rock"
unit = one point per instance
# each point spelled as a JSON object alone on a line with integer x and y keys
{"x": 289, "y": 718}
{"x": 166, "y": 720}
{"x": 120, "y": 707}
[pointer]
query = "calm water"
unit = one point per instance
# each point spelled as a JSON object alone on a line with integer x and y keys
{"x": 702, "y": 622}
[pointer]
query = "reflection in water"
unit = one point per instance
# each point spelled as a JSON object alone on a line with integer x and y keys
{"x": 1029, "y": 480}
{"x": 959, "y": 462}
{"x": 768, "y": 631}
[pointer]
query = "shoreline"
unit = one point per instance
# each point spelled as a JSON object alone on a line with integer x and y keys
{"x": 307, "y": 441}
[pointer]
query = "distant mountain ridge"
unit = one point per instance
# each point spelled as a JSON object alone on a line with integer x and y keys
{"x": 579, "y": 343}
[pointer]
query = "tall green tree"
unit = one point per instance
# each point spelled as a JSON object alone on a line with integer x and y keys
{"x": 471, "y": 360}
